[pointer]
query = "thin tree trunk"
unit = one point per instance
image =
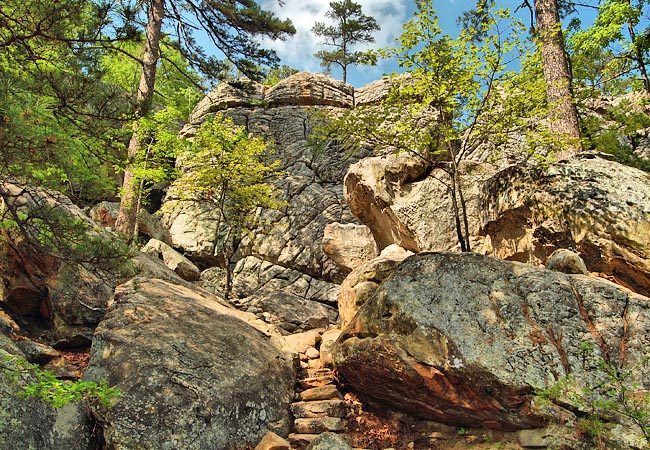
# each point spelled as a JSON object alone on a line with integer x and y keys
{"x": 563, "y": 114}
{"x": 127, "y": 216}
{"x": 458, "y": 200}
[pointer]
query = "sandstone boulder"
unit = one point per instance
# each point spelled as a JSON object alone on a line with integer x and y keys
{"x": 349, "y": 245}
{"x": 467, "y": 340}
{"x": 566, "y": 261}
{"x": 362, "y": 283}
{"x": 174, "y": 260}
{"x": 193, "y": 374}
{"x": 406, "y": 202}
{"x": 598, "y": 207}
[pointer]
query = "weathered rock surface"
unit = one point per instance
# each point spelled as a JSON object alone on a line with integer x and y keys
{"x": 362, "y": 283}
{"x": 310, "y": 89}
{"x": 405, "y": 202}
{"x": 28, "y": 423}
{"x": 172, "y": 259}
{"x": 595, "y": 206}
{"x": 598, "y": 207}
{"x": 349, "y": 245}
{"x": 192, "y": 373}
{"x": 242, "y": 93}
{"x": 466, "y": 339}
{"x": 105, "y": 214}
{"x": 291, "y": 237}
{"x": 287, "y": 298}
{"x": 566, "y": 261}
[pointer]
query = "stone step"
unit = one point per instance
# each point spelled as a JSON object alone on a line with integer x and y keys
{"x": 318, "y": 425}
{"x": 307, "y": 383}
{"x": 301, "y": 440}
{"x": 318, "y": 408}
{"x": 328, "y": 392}
{"x": 311, "y": 373}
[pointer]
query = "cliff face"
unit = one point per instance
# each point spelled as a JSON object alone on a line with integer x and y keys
{"x": 282, "y": 273}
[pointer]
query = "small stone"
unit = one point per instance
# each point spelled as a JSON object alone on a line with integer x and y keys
{"x": 307, "y": 383}
{"x": 328, "y": 392}
{"x": 272, "y": 441}
{"x": 300, "y": 440}
{"x": 319, "y": 408}
{"x": 318, "y": 425}
{"x": 329, "y": 441}
{"x": 312, "y": 353}
{"x": 313, "y": 373}
{"x": 314, "y": 364}
{"x": 300, "y": 342}
{"x": 566, "y": 261}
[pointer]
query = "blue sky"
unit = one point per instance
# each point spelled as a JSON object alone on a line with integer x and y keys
{"x": 298, "y": 50}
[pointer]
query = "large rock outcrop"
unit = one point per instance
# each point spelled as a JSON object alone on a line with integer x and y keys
{"x": 291, "y": 237}
{"x": 597, "y": 207}
{"x": 592, "y": 205}
{"x": 194, "y": 374}
{"x": 467, "y": 340}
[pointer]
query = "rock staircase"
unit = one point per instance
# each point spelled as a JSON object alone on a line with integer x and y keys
{"x": 319, "y": 406}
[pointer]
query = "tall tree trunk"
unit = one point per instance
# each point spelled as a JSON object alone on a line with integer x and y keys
{"x": 127, "y": 216}
{"x": 563, "y": 114}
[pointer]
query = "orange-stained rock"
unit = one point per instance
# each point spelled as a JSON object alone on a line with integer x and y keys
{"x": 468, "y": 340}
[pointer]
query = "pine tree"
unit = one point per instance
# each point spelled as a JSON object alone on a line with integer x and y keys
{"x": 352, "y": 27}
{"x": 563, "y": 114}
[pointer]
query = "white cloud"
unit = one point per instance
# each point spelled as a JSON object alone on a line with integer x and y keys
{"x": 297, "y": 51}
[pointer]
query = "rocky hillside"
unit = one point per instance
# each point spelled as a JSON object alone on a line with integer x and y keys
{"x": 354, "y": 321}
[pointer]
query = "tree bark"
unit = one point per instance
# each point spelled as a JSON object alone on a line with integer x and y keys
{"x": 129, "y": 204}
{"x": 562, "y": 112}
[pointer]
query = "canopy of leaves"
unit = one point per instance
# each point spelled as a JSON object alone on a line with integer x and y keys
{"x": 611, "y": 55}
{"x": 59, "y": 125}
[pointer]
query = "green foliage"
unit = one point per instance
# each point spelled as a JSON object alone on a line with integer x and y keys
{"x": 612, "y": 54}
{"x": 234, "y": 172}
{"x": 230, "y": 169}
{"x": 351, "y": 27}
{"x": 159, "y": 146}
{"x": 177, "y": 86}
{"x": 59, "y": 125}
{"x": 50, "y": 389}
{"x": 618, "y": 132}
{"x": 614, "y": 395}
{"x": 456, "y": 97}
